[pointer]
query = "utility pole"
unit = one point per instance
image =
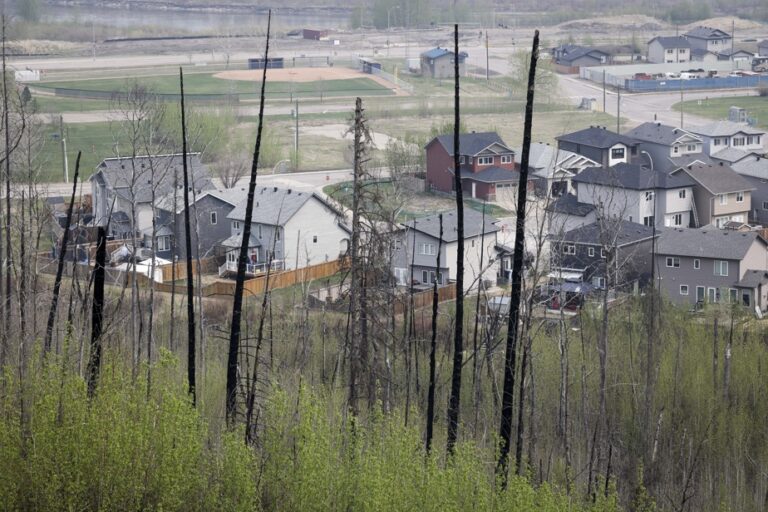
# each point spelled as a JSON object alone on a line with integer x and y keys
{"x": 93, "y": 34}
{"x": 487, "y": 69}
{"x": 681, "y": 103}
{"x": 618, "y": 109}
{"x": 65, "y": 161}
{"x": 604, "y": 110}
{"x": 296, "y": 137}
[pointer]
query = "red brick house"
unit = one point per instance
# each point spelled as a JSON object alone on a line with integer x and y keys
{"x": 487, "y": 165}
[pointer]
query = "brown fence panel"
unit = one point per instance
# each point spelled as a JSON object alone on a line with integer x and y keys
{"x": 207, "y": 266}
{"x": 424, "y": 299}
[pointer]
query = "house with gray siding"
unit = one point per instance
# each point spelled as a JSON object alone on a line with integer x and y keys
{"x": 709, "y": 39}
{"x": 290, "y": 229}
{"x": 662, "y": 145}
{"x": 439, "y": 63}
{"x": 713, "y": 266}
{"x": 720, "y": 194}
{"x": 416, "y": 250}
{"x": 667, "y": 49}
{"x": 599, "y": 144}
{"x": 722, "y": 135}
{"x": 552, "y": 168}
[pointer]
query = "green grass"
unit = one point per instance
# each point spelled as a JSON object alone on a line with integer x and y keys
{"x": 717, "y": 108}
{"x": 206, "y": 83}
{"x": 58, "y": 104}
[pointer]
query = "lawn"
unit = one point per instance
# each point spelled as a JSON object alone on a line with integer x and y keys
{"x": 206, "y": 83}
{"x": 717, "y": 108}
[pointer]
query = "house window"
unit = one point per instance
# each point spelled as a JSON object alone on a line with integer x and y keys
{"x": 677, "y": 219}
{"x": 648, "y": 221}
{"x": 484, "y": 160}
{"x": 164, "y": 243}
{"x": 506, "y": 159}
{"x": 277, "y": 234}
{"x": 750, "y": 139}
{"x": 681, "y": 194}
{"x": 723, "y": 198}
{"x": 673, "y": 262}
{"x": 598, "y": 282}
{"x": 591, "y": 252}
{"x": 670, "y": 52}
{"x": 739, "y": 197}
{"x": 617, "y": 153}
{"x": 696, "y": 264}
{"x": 732, "y": 295}
{"x": 716, "y": 141}
{"x": 461, "y": 159}
{"x": 569, "y": 249}
{"x": 757, "y": 139}
{"x": 236, "y": 225}
{"x": 765, "y": 205}
{"x": 738, "y": 141}
{"x": 214, "y": 218}
{"x": 424, "y": 276}
{"x": 721, "y": 268}
{"x": 675, "y": 149}
{"x": 691, "y": 147}
{"x": 427, "y": 249}
{"x": 683, "y": 289}
{"x": 649, "y": 195}
{"x": 314, "y": 239}
{"x": 602, "y": 253}
{"x": 259, "y": 229}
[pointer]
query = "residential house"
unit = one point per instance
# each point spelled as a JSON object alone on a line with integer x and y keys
{"x": 762, "y": 48}
{"x": 759, "y": 213}
{"x": 708, "y": 38}
{"x": 637, "y": 194}
{"x": 292, "y": 229}
{"x": 439, "y": 63}
{"x": 486, "y": 163}
{"x": 566, "y": 213}
{"x": 736, "y": 55}
{"x": 713, "y": 265}
{"x": 664, "y": 49}
{"x": 721, "y": 135}
{"x": 662, "y": 145}
{"x": 599, "y": 144}
{"x": 608, "y": 252}
{"x": 569, "y": 58}
{"x": 700, "y": 55}
{"x": 123, "y": 189}
{"x": 720, "y": 194}
{"x": 552, "y": 168}
{"x": 415, "y": 256}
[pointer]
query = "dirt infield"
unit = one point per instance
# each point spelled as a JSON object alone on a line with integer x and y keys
{"x": 304, "y": 75}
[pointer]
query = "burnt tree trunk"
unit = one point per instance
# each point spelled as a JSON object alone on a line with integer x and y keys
{"x": 97, "y": 312}
{"x": 433, "y": 344}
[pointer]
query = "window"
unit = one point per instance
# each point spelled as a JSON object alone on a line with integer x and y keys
{"x": 214, "y": 218}
{"x": 598, "y": 282}
{"x": 765, "y": 205}
{"x": 691, "y": 147}
{"x": 461, "y": 159}
{"x": 277, "y": 234}
{"x": 721, "y": 268}
{"x": 569, "y": 249}
{"x": 602, "y": 252}
{"x": 591, "y": 252}
{"x": 757, "y": 139}
{"x": 681, "y": 194}
{"x": 696, "y": 264}
{"x": 506, "y": 159}
{"x": 424, "y": 276}
{"x": 484, "y": 160}
{"x": 677, "y": 219}
{"x": 673, "y": 262}
{"x": 675, "y": 149}
{"x": 739, "y": 197}
{"x": 649, "y": 195}
{"x": 738, "y": 141}
{"x": 427, "y": 249}
{"x": 723, "y": 198}
{"x": 670, "y": 52}
{"x": 733, "y": 296}
{"x": 617, "y": 153}
{"x": 314, "y": 239}
{"x": 164, "y": 243}
{"x": 236, "y": 225}
{"x": 716, "y": 141}
{"x": 750, "y": 139}
{"x": 259, "y": 231}
{"x": 648, "y": 221}
{"x": 683, "y": 289}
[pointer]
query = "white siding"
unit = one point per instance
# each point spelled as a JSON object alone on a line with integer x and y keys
{"x": 314, "y": 219}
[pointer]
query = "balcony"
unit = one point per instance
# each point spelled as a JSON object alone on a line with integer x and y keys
{"x": 251, "y": 269}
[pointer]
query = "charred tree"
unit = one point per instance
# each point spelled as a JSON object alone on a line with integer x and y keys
{"x": 510, "y": 360}
{"x": 242, "y": 260}
{"x": 433, "y": 344}
{"x": 60, "y": 266}
{"x": 97, "y": 311}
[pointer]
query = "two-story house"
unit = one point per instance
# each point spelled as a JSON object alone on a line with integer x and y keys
{"x": 667, "y": 49}
{"x": 720, "y": 194}
{"x": 664, "y": 147}
{"x": 486, "y": 163}
{"x": 439, "y": 63}
{"x": 637, "y": 194}
{"x": 708, "y": 38}
{"x": 293, "y": 229}
{"x": 713, "y": 265}
{"x": 608, "y": 252}
{"x": 416, "y": 249}
{"x": 124, "y": 188}
{"x": 599, "y": 144}
{"x": 551, "y": 169}
{"x": 722, "y": 135}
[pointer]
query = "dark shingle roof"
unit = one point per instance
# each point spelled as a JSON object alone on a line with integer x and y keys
{"x": 717, "y": 179}
{"x": 597, "y": 137}
{"x": 753, "y": 279}
{"x": 671, "y": 42}
{"x": 436, "y": 53}
{"x": 631, "y": 176}
{"x": 571, "y": 52}
{"x": 491, "y": 175}
{"x": 724, "y": 244}
{"x": 569, "y": 204}
{"x": 473, "y": 225}
{"x": 274, "y": 206}
{"x": 469, "y": 143}
{"x": 627, "y": 233}
{"x": 706, "y": 33}
{"x": 733, "y": 51}
{"x": 659, "y": 133}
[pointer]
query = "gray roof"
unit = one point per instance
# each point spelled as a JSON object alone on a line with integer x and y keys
{"x": 724, "y": 129}
{"x": 545, "y": 158}
{"x": 469, "y": 143}
{"x": 756, "y": 166}
{"x": 571, "y": 52}
{"x": 631, "y": 176}
{"x": 275, "y": 206}
{"x": 728, "y": 52}
{"x": 668, "y": 42}
{"x": 659, "y": 133}
{"x": 731, "y": 155}
{"x": 724, "y": 244}
{"x": 569, "y": 204}
{"x": 473, "y": 225}
{"x": 753, "y": 279}
{"x": 133, "y": 178}
{"x": 597, "y": 137}
{"x": 236, "y": 241}
{"x": 717, "y": 179}
{"x": 436, "y": 53}
{"x": 491, "y": 175}
{"x": 677, "y": 162}
{"x": 627, "y": 233}
{"x": 706, "y": 33}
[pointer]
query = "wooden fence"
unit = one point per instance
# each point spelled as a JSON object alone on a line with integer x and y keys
{"x": 423, "y": 299}
{"x": 207, "y": 266}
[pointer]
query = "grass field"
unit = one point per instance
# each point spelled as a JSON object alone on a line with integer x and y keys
{"x": 717, "y": 108}
{"x": 206, "y": 83}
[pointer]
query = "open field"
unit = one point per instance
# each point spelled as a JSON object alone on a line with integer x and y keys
{"x": 717, "y": 108}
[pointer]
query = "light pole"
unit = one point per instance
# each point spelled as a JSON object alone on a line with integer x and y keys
{"x": 389, "y": 11}
{"x": 653, "y": 224}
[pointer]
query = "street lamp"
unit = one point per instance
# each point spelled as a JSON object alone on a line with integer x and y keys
{"x": 653, "y": 225}
{"x": 389, "y": 11}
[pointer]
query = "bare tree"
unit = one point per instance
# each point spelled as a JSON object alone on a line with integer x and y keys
{"x": 433, "y": 343}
